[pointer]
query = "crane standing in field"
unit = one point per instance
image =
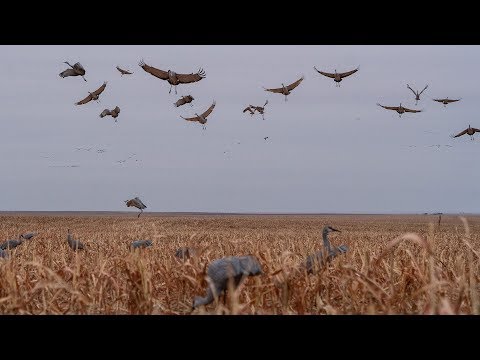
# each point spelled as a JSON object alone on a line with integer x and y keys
{"x": 327, "y": 254}
{"x": 136, "y": 202}
{"x": 10, "y": 244}
{"x": 29, "y": 235}
{"x": 141, "y": 244}
{"x": 185, "y": 253}
{"x": 74, "y": 244}
{"x": 221, "y": 270}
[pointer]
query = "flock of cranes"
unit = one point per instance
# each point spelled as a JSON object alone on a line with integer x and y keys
{"x": 232, "y": 268}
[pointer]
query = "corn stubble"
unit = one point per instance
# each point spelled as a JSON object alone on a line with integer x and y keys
{"x": 395, "y": 265}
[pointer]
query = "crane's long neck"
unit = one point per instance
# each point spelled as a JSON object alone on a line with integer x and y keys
{"x": 199, "y": 301}
{"x": 326, "y": 242}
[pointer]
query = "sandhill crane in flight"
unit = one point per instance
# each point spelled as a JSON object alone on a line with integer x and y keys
{"x": 260, "y": 109}
{"x": 184, "y": 100}
{"x": 286, "y": 90}
{"x": 249, "y": 108}
{"x": 221, "y": 270}
{"x": 446, "y": 101}
{"x": 470, "y": 131}
{"x": 202, "y": 119}
{"x": 76, "y": 70}
{"x": 74, "y": 244}
{"x": 337, "y": 77}
{"x": 172, "y": 77}
{"x": 124, "y": 72}
{"x": 327, "y": 254}
{"x": 141, "y": 244}
{"x": 136, "y": 202}
{"x": 399, "y": 109}
{"x": 93, "y": 95}
{"x": 417, "y": 94}
{"x": 114, "y": 113}
{"x": 265, "y": 138}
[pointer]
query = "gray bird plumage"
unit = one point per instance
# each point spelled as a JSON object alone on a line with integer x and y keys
{"x": 327, "y": 254}
{"x": 74, "y": 244}
{"x": 10, "y": 244}
{"x": 141, "y": 244}
{"x": 221, "y": 270}
{"x": 185, "y": 253}
{"x": 136, "y": 202}
{"x": 76, "y": 70}
{"x": 28, "y": 236}
{"x": 3, "y": 254}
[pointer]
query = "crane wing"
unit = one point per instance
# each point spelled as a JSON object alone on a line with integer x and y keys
{"x": 105, "y": 113}
{"x": 116, "y": 110}
{"x": 124, "y": 72}
{"x": 476, "y": 130}
{"x": 100, "y": 89}
{"x": 348, "y": 73}
{"x": 439, "y": 100}
{"x": 330, "y": 75}
{"x": 389, "y": 107}
{"x": 68, "y": 72}
{"x": 425, "y": 88}
{"x": 453, "y": 100}
{"x": 79, "y": 67}
{"x": 179, "y": 102}
{"x": 140, "y": 203}
{"x": 408, "y": 86}
{"x": 154, "y": 71}
{"x": 461, "y": 133}
{"x": 196, "y": 118}
{"x": 209, "y": 110}
{"x": 411, "y": 110}
{"x": 276, "y": 90}
{"x": 84, "y": 101}
{"x": 190, "y": 78}
{"x": 295, "y": 84}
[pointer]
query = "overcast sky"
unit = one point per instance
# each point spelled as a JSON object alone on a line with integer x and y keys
{"x": 329, "y": 149}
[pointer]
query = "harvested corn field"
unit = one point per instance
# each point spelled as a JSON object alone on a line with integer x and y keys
{"x": 405, "y": 264}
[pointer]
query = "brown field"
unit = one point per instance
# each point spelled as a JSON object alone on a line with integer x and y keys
{"x": 436, "y": 273}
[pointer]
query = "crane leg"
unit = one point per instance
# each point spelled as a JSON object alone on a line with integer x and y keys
{"x": 169, "y": 91}
{"x": 175, "y": 89}
{"x": 84, "y": 78}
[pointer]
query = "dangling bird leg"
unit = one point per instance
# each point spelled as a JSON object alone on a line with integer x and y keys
{"x": 84, "y": 78}
{"x": 175, "y": 89}
{"x": 169, "y": 91}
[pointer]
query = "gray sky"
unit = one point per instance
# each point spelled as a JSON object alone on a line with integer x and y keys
{"x": 329, "y": 149}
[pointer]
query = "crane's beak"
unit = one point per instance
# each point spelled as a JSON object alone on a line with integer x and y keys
{"x": 331, "y": 228}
